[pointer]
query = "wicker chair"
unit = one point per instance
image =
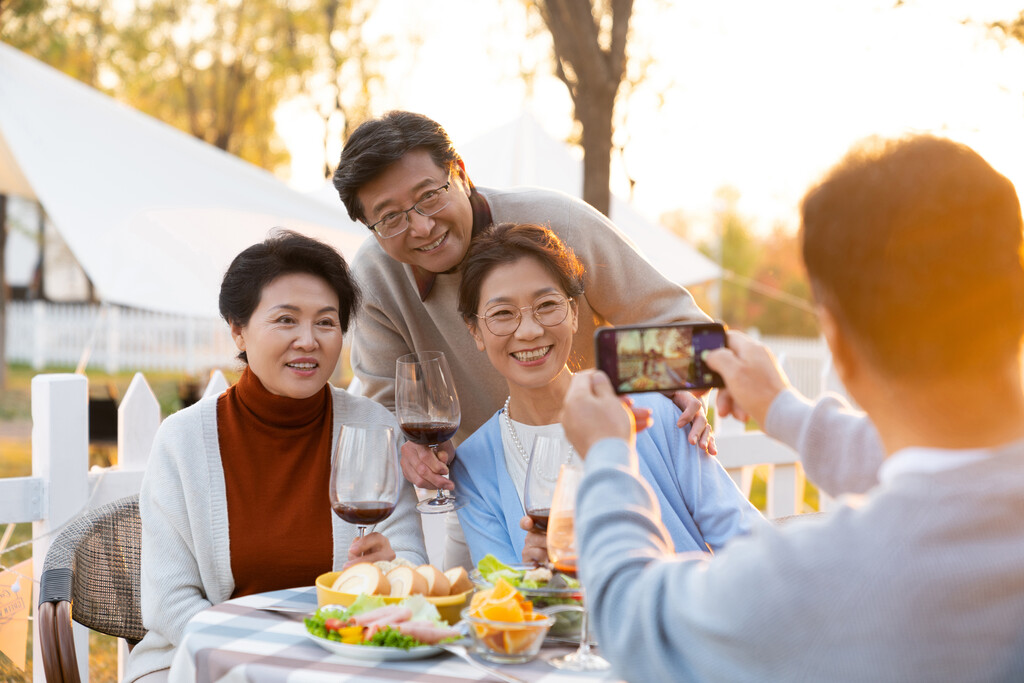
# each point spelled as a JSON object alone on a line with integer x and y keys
{"x": 91, "y": 574}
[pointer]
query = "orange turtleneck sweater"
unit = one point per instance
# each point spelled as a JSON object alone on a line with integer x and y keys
{"x": 276, "y": 453}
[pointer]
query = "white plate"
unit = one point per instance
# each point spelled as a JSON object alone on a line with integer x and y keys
{"x": 373, "y": 653}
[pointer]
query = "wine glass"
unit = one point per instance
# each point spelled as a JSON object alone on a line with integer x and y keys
{"x": 562, "y": 552}
{"x": 546, "y": 459}
{"x": 364, "y": 474}
{"x": 428, "y": 411}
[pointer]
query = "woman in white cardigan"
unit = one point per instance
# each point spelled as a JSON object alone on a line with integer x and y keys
{"x": 235, "y": 496}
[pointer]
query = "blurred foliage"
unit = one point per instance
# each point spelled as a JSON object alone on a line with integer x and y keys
{"x": 214, "y": 69}
{"x": 765, "y": 286}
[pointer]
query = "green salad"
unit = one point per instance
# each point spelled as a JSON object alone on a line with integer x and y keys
{"x": 491, "y": 569}
{"x": 333, "y": 623}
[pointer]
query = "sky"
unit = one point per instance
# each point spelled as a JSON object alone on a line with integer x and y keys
{"x": 759, "y": 96}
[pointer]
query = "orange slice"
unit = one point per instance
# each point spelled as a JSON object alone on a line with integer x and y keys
{"x": 520, "y": 640}
{"x": 505, "y": 610}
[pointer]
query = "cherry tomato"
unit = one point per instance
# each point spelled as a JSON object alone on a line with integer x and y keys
{"x": 333, "y": 624}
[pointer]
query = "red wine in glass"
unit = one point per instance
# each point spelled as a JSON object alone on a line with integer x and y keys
{"x": 540, "y": 518}
{"x": 429, "y": 433}
{"x": 427, "y": 407}
{"x": 546, "y": 459}
{"x": 364, "y": 474}
{"x": 364, "y": 512}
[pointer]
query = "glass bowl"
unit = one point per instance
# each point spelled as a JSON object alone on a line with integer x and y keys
{"x": 567, "y": 624}
{"x": 507, "y": 642}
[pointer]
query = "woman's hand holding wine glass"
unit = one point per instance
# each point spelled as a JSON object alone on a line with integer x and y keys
{"x": 364, "y": 483}
{"x": 428, "y": 410}
{"x": 548, "y": 455}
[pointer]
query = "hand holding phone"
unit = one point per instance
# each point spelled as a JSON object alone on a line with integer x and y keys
{"x": 639, "y": 358}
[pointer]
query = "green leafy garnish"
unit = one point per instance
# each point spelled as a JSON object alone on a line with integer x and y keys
{"x": 389, "y": 637}
{"x": 315, "y": 623}
{"x": 492, "y": 569}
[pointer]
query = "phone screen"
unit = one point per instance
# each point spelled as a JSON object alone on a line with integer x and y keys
{"x": 658, "y": 358}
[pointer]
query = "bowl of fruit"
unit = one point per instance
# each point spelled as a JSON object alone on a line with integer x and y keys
{"x": 394, "y": 581}
{"x": 542, "y": 586}
{"x": 504, "y": 625}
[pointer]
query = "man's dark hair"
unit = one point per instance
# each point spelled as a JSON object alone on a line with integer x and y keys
{"x": 378, "y": 143}
{"x": 507, "y": 243}
{"x": 283, "y": 253}
{"x": 914, "y": 246}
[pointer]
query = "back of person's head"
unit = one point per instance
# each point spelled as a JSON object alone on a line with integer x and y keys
{"x": 914, "y": 247}
{"x": 378, "y": 143}
{"x": 507, "y": 243}
{"x": 284, "y": 253}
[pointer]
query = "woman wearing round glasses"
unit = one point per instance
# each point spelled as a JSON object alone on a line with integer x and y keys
{"x": 518, "y": 297}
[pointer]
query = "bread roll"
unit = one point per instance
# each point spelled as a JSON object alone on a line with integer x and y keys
{"x": 405, "y": 581}
{"x": 458, "y": 580}
{"x": 362, "y": 578}
{"x": 437, "y": 583}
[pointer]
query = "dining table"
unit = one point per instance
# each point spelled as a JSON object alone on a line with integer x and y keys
{"x": 247, "y": 639}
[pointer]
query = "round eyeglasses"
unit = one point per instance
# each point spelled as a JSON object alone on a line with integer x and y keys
{"x": 397, "y": 222}
{"x": 503, "y": 320}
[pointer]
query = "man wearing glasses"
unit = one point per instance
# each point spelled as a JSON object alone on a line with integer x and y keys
{"x": 402, "y": 178}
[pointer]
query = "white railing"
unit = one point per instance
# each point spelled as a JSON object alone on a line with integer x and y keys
{"x": 44, "y": 334}
{"x": 808, "y": 364}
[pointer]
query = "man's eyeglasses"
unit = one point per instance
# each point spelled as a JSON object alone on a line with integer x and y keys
{"x": 397, "y": 222}
{"x": 503, "y": 320}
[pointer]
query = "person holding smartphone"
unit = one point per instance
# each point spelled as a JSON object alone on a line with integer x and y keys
{"x": 904, "y": 242}
{"x": 518, "y": 297}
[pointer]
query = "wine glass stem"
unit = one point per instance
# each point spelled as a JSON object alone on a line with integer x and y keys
{"x": 362, "y": 530}
{"x": 584, "y": 648}
{"x": 441, "y": 494}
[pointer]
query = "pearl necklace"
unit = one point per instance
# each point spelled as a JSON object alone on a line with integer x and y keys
{"x": 515, "y": 437}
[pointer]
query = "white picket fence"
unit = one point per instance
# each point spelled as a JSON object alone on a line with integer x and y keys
{"x": 115, "y": 338}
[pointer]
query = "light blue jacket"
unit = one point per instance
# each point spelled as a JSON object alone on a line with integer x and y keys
{"x": 700, "y": 504}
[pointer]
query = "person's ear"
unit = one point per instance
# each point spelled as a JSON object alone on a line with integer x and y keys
{"x": 460, "y": 171}
{"x": 844, "y": 356}
{"x": 474, "y": 330}
{"x": 236, "y": 334}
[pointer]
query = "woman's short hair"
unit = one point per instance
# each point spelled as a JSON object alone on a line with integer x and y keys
{"x": 283, "y": 253}
{"x": 507, "y": 243}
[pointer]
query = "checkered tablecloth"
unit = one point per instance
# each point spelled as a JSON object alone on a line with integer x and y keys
{"x": 236, "y": 641}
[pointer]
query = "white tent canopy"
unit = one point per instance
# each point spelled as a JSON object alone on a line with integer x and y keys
{"x": 153, "y": 215}
{"x": 522, "y": 153}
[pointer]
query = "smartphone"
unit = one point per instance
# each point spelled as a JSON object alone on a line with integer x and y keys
{"x": 639, "y": 358}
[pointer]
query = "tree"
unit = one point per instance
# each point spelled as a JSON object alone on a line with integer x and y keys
{"x": 345, "y": 70}
{"x": 216, "y": 70}
{"x": 589, "y": 40}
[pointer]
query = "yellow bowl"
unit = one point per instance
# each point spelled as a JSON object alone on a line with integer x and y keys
{"x": 448, "y": 605}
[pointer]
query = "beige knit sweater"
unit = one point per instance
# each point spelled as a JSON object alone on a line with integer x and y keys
{"x": 622, "y": 287}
